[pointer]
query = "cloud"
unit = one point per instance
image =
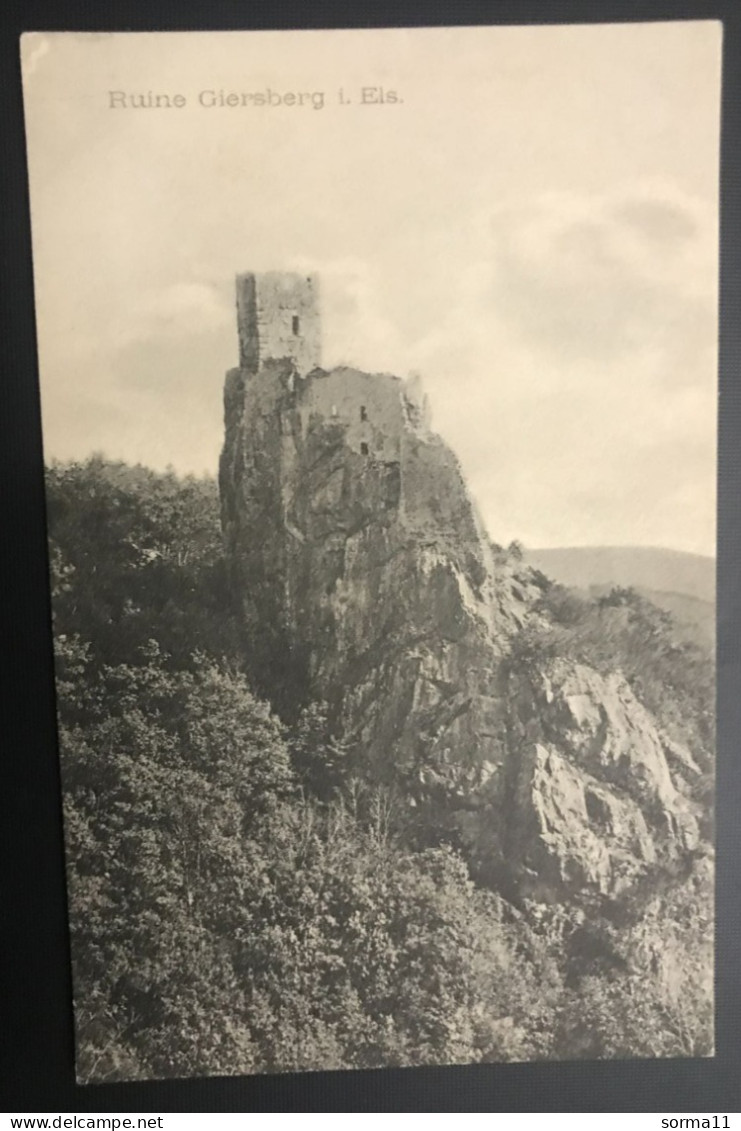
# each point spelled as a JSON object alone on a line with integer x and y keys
{"x": 355, "y": 329}
{"x": 599, "y": 280}
{"x": 574, "y": 370}
{"x": 176, "y": 311}
{"x": 661, "y": 222}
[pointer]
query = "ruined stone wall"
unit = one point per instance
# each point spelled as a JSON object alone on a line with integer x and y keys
{"x": 277, "y": 317}
{"x": 369, "y": 407}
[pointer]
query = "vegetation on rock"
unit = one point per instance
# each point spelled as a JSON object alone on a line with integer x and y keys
{"x": 243, "y": 898}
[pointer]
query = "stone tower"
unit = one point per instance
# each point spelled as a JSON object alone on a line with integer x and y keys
{"x": 277, "y": 317}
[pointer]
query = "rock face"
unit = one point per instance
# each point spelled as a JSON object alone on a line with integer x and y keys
{"x": 595, "y": 809}
{"x": 367, "y": 580}
{"x": 359, "y": 554}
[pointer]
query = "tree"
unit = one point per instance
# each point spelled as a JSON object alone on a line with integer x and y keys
{"x": 318, "y": 757}
{"x": 166, "y": 775}
{"x": 135, "y": 555}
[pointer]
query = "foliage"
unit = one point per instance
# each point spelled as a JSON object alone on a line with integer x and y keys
{"x": 136, "y": 555}
{"x": 241, "y": 900}
{"x": 625, "y": 1017}
{"x": 624, "y": 631}
{"x": 318, "y": 757}
{"x": 222, "y": 923}
{"x": 234, "y": 906}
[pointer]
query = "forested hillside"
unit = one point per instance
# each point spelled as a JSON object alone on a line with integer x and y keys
{"x": 245, "y": 897}
{"x": 683, "y": 584}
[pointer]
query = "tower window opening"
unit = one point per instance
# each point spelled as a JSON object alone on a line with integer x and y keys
{"x": 364, "y": 449}
{"x": 363, "y": 412}
{"x": 295, "y": 323}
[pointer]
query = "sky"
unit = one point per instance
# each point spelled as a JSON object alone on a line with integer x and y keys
{"x": 530, "y": 223}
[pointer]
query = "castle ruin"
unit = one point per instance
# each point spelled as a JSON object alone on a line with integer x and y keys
{"x": 278, "y": 319}
{"x": 381, "y": 420}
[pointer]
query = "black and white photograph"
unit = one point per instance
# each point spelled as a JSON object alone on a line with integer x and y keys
{"x": 378, "y": 377}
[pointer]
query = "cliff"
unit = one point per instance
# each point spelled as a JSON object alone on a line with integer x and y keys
{"x": 366, "y": 580}
{"x": 359, "y": 554}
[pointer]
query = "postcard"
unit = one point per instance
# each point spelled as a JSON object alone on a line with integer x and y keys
{"x": 379, "y": 387}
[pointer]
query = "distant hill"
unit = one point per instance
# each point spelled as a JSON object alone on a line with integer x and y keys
{"x": 681, "y": 583}
{"x": 645, "y": 567}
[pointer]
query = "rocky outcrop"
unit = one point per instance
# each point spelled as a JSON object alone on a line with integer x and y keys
{"x": 366, "y": 580}
{"x": 594, "y": 807}
{"x": 358, "y": 553}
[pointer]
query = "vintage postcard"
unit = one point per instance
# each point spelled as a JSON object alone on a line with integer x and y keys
{"x": 378, "y": 378}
